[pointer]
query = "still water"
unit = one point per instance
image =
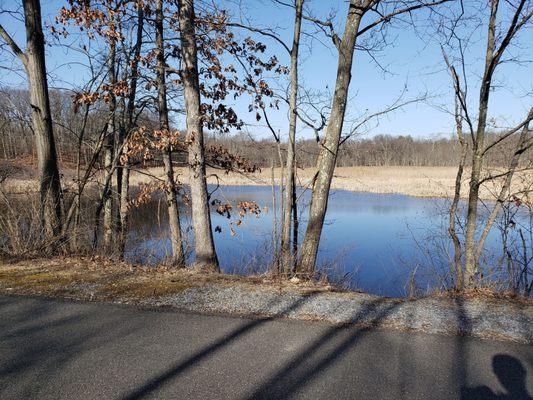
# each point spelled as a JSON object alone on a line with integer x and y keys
{"x": 371, "y": 242}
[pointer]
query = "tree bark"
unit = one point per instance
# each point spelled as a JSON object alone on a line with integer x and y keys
{"x": 459, "y": 96}
{"x": 35, "y": 65}
{"x": 276, "y": 260}
{"x": 521, "y": 147}
{"x": 129, "y": 125}
{"x": 204, "y": 246}
{"x": 325, "y": 164}
{"x": 290, "y": 188}
{"x": 470, "y": 268}
{"x": 178, "y": 258}
{"x": 109, "y": 152}
{"x": 295, "y": 221}
{"x": 457, "y": 254}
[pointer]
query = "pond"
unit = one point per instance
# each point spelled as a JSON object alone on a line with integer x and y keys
{"x": 384, "y": 244}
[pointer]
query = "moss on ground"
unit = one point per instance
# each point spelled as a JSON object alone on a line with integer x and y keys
{"x": 101, "y": 279}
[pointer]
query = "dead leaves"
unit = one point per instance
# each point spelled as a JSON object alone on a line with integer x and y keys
{"x": 243, "y": 208}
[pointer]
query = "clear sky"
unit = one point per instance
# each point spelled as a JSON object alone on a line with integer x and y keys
{"x": 412, "y": 60}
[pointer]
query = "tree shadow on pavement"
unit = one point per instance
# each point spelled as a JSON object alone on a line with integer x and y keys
{"x": 312, "y": 360}
{"x": 161, "y": 380}
{"x": 296, "y": 372}
{"x": 509, "y": 371}
{"x": 38, "y": 351}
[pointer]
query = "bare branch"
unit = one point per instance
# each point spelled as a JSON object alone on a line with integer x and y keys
{"x": 390, "y": 16}
{"x": 326, "y": 24}
{"x": 393, "y": 107}
{"x": 507, "y": 134}
{"x": 263, "y": 32}
{"x": 14, "y": 47}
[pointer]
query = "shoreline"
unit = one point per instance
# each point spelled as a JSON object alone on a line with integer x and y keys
{"x": 96, "y": 279}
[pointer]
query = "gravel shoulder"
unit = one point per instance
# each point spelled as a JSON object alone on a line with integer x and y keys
{"x": 450, "y": 316}
{"x": 99, "y": 280}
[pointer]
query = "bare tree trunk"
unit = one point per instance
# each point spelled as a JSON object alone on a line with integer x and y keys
{"x": 470, "y": 269}
{"x": 286, "y": 251}
{"x": 76, "y": 203}
{"x": 276, "y": 260}
{"x": 129, "y": 124}
{"x": 493, "y": 56}
{"x": 109, "y": 152}
{"x": 295, "y": 222}
{"x": 457, "y": 254}
{"x": 82, "y": 183}
{"x": 460, "y": 96}
{"x": 178, "y": 258}
{"x": 521, "y": 147}
{"x": 206, "y": 257}
{"x": 325, "y": 164}
{"x": 120, "y": 136}
{"x": 35, "y": 65}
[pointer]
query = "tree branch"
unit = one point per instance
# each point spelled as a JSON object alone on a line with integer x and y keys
{"x": 14, "y": 47}
{"x": 261, "y": 32}
{"x": 507, "y": 134}
{"x": 388, "y": 17}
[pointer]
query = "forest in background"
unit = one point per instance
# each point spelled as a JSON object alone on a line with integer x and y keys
{"x": 17, "y": 141}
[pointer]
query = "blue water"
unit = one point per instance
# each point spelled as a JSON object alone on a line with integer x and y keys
{"x": 370, "y": 242}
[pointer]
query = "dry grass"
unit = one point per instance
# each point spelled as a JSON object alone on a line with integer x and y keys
{"x": 412, "y": 181}
{"x": 97, "y": 278}
{"x": 486, "y": 293}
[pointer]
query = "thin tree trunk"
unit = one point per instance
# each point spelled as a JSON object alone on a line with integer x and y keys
{"x": 325, "y": 164}
{"x": 83, "y": 183}
{"x": 125, "y": 184}
{"x": 276, "y": 263}
{"x": 109, "y": 153}
{"x": 76, "y": 203}
{"x": 457, "y": 254}
{"x": 470, "y": 269}
{"x": 521, "y": 147}
{"x": 286, "y": 251}
{"x": 35, "y": 65}
{"x": 100, "y": 205}
{"x": 120, "y": 136}
{"x": 459, "y": 97}
{"x": 205, "y": 254}
{"x": 178, "y": 258}
{"x": 295, "y": 223}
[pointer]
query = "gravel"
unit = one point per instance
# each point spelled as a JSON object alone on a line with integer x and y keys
{"x": 494, "y": 319}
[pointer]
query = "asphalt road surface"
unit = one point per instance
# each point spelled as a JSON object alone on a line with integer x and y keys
{"x": 66, "y": 350}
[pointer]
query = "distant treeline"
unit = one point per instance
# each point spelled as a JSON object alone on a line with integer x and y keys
{"x": 16, "y": 140}
{"x": 16, "y": 135}
{"x": 381, "y": 150}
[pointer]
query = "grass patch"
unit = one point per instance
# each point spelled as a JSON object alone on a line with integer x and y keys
{"x": 37, "y": 281}
{"x": 101, "y": 279}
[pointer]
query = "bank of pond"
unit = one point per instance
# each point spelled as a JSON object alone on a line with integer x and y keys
{"x": 384, "y": 244}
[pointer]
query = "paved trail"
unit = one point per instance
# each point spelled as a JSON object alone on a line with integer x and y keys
{"x": 64, "y": 350}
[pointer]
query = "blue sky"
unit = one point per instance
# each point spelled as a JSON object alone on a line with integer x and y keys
{"x": 412, "y": 61}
